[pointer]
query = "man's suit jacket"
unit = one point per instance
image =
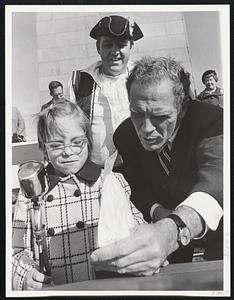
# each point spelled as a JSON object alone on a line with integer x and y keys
{"x": 196, "y": 160}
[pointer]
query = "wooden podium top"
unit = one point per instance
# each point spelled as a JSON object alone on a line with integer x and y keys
{"x": 196, "y": 276}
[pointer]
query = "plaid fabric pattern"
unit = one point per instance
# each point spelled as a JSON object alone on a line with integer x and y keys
{"x": 70, "y": 213}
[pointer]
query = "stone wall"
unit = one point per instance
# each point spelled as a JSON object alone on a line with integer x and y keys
{"x": 63, "y": 42}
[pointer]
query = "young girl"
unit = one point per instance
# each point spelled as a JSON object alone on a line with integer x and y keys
{"x": 71, "y": 205}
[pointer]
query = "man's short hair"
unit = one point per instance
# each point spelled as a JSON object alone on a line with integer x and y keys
{"x": 54, "y": 85}
{"x": 149, "y": 70}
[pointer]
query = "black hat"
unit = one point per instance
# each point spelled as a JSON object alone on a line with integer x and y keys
{"x": 209, "y": 73}
{"x": 117, "y": 27}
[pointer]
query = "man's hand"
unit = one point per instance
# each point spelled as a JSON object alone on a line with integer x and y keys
{"x": 35, "y": 280}
{"x": 142, "y": 253}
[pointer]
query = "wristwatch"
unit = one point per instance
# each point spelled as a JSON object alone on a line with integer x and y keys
{"x": 184, "y": 235}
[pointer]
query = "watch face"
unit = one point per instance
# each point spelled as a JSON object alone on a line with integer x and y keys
{"x": 184, "y": 236}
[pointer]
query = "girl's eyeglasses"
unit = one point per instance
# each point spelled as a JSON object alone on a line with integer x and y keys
{"x": 58, "y": 147}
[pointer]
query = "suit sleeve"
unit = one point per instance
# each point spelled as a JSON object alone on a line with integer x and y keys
{"x": 210, "y": 167}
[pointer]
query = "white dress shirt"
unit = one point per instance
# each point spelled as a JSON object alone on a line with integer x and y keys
{"x": 111, "y": 107}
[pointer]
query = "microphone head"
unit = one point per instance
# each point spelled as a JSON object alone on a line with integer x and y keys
{"x": 32, "y": 179}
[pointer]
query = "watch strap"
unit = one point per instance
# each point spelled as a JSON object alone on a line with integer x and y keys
{"x": 179, "y": 224}
{"x": 178, "y": 221}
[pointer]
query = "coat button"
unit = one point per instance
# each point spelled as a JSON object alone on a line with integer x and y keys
{"x": 80, "y": 225}
{"x": 50, "y": 198}
{"x": 50, "y": 232}
{"x": 77, "y": 193}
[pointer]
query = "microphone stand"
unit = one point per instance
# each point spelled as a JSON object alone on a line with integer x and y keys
{"x": 39, "y": 234}
{"x": 34, "y": 186}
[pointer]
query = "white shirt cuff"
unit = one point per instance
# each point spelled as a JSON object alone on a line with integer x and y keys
{"x": 155, "y": 205}
{"x": 207, "y": 207}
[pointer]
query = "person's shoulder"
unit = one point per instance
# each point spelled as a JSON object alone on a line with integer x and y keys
{"x": 44, "y": 106}
{"x": 125, "y": 128}
{"x": 201, "y": 95}
{"x": 219, "y": 91}
{"x": 201, "y": 116}
{"x": 204, "y": 109}
{"x": 125, "y": 135}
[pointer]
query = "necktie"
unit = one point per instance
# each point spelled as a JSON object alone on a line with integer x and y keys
{"x": 164, "y": 157}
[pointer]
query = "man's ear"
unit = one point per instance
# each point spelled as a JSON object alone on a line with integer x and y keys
{"x": 98, "y": 46}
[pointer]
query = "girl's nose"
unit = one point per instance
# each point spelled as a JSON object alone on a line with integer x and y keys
{"x": 67, "y": 150}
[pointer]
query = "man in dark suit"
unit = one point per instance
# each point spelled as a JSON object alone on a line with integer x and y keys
{"x": 172, "y": 153}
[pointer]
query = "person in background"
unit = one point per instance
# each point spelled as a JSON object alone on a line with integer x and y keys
{"x": 18, "y": 126}
{"x": 212, "y": 93}
{"x": 56, "y": 91}
{"x": 71, "y": 207}
{"x": 100, "y": 89}
{"x": 172, "y": 154}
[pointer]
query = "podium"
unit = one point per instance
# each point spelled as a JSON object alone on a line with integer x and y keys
{"x": 195, "y": 276}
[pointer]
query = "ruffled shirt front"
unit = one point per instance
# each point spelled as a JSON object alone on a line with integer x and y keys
{"x": 111, "y": 107}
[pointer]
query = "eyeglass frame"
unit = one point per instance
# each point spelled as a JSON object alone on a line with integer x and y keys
{"x": 84, "y": 140}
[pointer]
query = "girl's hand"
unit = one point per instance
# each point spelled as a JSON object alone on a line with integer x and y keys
{"x": 35, "y": 280}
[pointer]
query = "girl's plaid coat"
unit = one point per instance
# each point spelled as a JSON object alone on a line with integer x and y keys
{"x": 70, "y": 213}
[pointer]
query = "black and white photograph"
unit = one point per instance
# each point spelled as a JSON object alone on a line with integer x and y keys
{"x": 117, "y": 150}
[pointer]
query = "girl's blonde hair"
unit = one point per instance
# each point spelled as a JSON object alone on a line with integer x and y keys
{"x": 47, "y": 121}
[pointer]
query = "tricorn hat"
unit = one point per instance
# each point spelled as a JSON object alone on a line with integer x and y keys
{"x": 117, "y": 27}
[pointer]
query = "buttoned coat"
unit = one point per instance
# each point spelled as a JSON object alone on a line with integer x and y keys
{"x": 215, "y": 98}
{"x": 70, "y": 217}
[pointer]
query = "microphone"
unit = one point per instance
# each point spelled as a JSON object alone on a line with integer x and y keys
{"x": 33, "y": 184}
{"x": 32, "y": 179}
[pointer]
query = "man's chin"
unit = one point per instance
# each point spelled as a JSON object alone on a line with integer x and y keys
{"x": 116, "y": 69}
{"x": 150, "y": 147}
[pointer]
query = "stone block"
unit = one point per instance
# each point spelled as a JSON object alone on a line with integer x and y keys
{"x": 72, "y": 38}
{"x": 164, "y": 42}
{"x": 180, "y": 54}
{"x": 43, "y": 16}
{"x": 46, "y": 41}
{"x": 91, "y": 50}
{"x": 44, "y": 96}
{"x": 91, "y": 20}
{"x": 69, "y": 25}
{"x": 153, "y": 29}
{"x": 61, "y": 53}
{"x": 45, "y": 27}
{"x": 176, "y": 27}
{"x": 48, "y": 69}
{"x": 146, "y": 17}
{"x": 66, "y": 15}
{"x": 67, "y": 66}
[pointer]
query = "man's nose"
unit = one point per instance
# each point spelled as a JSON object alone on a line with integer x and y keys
{"x": 115, "y": 48}
{"x": 147, "y": 125}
